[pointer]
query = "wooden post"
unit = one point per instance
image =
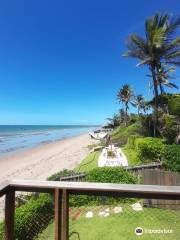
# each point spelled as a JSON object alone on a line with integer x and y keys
{"x": 9, "y": 214}
{"x": 65, "y": 215}
{"x": 57, "y": 214}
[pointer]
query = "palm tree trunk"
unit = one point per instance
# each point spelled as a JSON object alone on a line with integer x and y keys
{"x": 161, "y": 88}
{"x": 138, "y": 111}
{"x": 126, "y": 108}
{"x": 155, "y": 84}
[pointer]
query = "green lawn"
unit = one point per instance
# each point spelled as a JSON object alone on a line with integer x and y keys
{"x": 131, "y": 155}
{"x": 122, "y": 225}
{"x": 90, "y": 162}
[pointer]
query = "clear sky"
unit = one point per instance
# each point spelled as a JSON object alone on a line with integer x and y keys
{"x": 61, "y": 60}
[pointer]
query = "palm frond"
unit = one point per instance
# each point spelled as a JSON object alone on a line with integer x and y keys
{"x": 172, "y": 26}
{"x": 145, "y": 61}
{"x": 173, "y": 55}
{"x": 171, "y": 85}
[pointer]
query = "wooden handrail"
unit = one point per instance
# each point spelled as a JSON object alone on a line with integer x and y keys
{"x": 61, "y": 191}
{"x": 3, "y": 188}
{"x": 127, "y": 190}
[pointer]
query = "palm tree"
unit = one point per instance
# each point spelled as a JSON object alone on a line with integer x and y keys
{"x": 114, "y": 121}
{"x": 139, "y": 102}
{"x": 122, "y": 115}
{"x": 164, "y": 77}
{"x": 125, "y": 95}
{"x": 158, "y": 46}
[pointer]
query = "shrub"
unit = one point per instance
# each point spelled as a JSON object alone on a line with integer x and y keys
{"x": 103, "y": 175}
{"x": 171, "y": 157}
{"x": 110, "y": 175}
{"x": 146, "y": 128}
{"x": 169, "y": 127}
{"x": 149, "y": 149}
{"x": 121, "y": 134}
{"x": 32, "y": 217}
{"x": 2, "y": 229}
{"x": 174, "y": 104}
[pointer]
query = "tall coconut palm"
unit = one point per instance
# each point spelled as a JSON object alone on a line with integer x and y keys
{"x": 158, "y": 46}
{"x": 125, "y": 96}
{"x": 139, "y": 102}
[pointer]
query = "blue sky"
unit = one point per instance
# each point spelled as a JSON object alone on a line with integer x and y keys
{"x": 61, "y": 60}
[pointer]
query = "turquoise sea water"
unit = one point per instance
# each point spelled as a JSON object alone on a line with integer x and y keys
{"x": 16, "y": 138}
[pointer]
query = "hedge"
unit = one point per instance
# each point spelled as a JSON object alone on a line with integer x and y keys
{"x": 32, "y": 217}
{"x": 110, "y": 175}
{"x": 149, "y": 149}
{"x": 171, "y": 157}
{"x": 103, "y": 175}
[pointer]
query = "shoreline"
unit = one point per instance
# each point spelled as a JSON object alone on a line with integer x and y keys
{"x": 40, "y": 144}
{"x": 42, "y": 161}
{"x": 36, "y": 163}
{"x": 16, "y": 141}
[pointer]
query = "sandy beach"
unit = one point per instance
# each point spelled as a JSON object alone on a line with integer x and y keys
{"x": 43, "y": 161}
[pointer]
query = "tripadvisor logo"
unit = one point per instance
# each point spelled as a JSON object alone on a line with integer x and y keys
{"x": 138, "y": 231}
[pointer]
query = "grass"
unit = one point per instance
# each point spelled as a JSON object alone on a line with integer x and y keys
{"x": 91, "y": 146}
{"x": 121, "y": 225}
{"x": 131, "y": 155}
{"x": 121, "y": 134}
{"x": 90, "y": 162}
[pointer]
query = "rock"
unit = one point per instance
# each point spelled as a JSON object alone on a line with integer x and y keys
{"x": 118, "y": 210}
{"x": 106, "y": 214}
{"x": 107, "y": 210}
{"x": 89, "y": 214}
{"x": 101, "y": 213}
{"x": 137, "y": 207}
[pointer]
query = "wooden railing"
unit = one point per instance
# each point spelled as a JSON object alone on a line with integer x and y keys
{"x": 154, "y": 165}
{"x": 79, "y": 177}
{"x": 61, "y": 191}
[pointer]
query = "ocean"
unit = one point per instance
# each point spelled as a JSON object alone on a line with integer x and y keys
{"x": 14, "y": 138}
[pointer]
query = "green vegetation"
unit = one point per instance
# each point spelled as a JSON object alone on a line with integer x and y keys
{"x": 32, "y": 217}
{"x": 125, "y": 96}
{"x": 110, "y": 175}
{"x": 144, "y": 137}
{"x": 91, "y": 146}
{"x": 149, "y": 149}
{"x": 103, "y": 175}
{"x": 131, "y": 155}
{"x": 88, "y": 163}
{"x": 171, "y": 157}
{"x": 157, "y": 49}
{"x": 121, "y": 134}
{"x": 63, "y": 173}
{"x": 174, "y": 104}
{"x": 140, "y": 150}
{"x": 122, "y": 225}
